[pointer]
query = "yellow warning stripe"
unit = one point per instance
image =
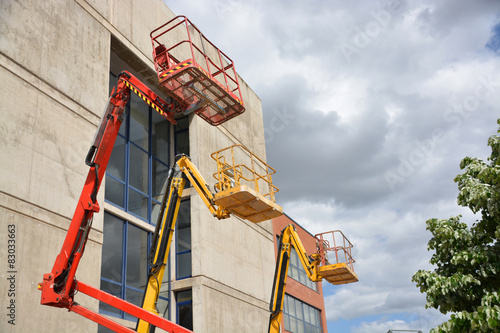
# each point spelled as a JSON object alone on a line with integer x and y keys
{"x": 145, "y": 98}
{"x": 189, "y": 63}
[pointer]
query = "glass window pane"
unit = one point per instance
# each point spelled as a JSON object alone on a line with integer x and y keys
{"x": 182, "y": 143}
{"x": 294, "y": 273}
{"x": 162, "y": 306}
{"x": 291, "y": 306}
{"x": 139, "y": 121}
{"x": 298, "y": 310}
{"x": 312, "y": 316}
{"x": 116, "y": 165}
{"x": 185, "y": 308}
{"x": 182, "y": 123}
{"x": 138, "y": 204}
{"x": 318, "y": 319}
{"x": 300, "y": 327}
{"x": 307, "y": 316}
{"x": 155, "y": 211}
{"x": 114, "y": 191}
{"x": 186, "y": 316}
{"x": 293, "y": 324}
{"x": 287, "y": 321}
{"x": 183, "y": 239}
{"x": 302, "y": 277}
{"x": 184, "y": 295}
{"x": 159, "y": 174}
{"x": 112, "y": 289}
{"x": 294, "y": 258}
{"x": 138, "y": 169}
{"x": 184, "y": 226}
{"x": 137, "y": 254}
{"x": 134, "y": 297}
{"x": 183, "y": 265}
{"x": 112, "y": 248}
{"x": 160, "y": 137}
{"x": 184, "y": 218}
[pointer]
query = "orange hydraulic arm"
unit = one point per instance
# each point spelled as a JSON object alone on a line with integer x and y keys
{"x": 60, "y": 285}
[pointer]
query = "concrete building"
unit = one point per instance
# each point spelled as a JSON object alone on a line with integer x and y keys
{"x": 303, "y": 306}
{"x": 58, "y": 60}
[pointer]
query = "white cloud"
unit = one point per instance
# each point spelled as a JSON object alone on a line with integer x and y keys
{"x": 357, "y": 116}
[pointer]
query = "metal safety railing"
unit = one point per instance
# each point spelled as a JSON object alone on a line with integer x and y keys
{"x": 236, "y": 166}
{"x": 195, "y": 72}
{"x": 336, "y": 243}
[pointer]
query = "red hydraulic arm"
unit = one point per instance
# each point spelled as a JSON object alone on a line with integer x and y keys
{"x": 60, "y": 285}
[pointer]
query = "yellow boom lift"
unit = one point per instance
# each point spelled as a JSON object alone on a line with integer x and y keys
{"x": 317, "y": 266}
{"x": 244, "y": 189}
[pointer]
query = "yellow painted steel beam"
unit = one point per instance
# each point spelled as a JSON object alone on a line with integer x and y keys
{"x": 156, "y": 274}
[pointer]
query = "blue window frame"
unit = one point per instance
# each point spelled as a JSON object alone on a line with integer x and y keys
{"x": 296, "y": 271}
{"x": 300, "y": 317}
{"x": 184, "y": 300}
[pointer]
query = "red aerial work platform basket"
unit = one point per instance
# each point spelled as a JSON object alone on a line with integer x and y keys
{"x": 194, "y": 72}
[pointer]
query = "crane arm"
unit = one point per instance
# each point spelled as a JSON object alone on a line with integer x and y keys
{"x": 199, "y": 183}
{"x": 60, "y": 285}
{"x": 287, "y": 239}
{"x": 160, "y": 246}
{"x": 162, "y": 238}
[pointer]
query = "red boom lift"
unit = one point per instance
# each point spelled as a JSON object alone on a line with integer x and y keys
{"x": 193, "y": 87}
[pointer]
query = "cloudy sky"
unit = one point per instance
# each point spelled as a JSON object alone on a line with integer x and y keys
{"x": 369, "y": 106}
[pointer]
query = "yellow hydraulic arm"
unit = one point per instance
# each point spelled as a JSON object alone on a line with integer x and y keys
{"x": 165, "y": 226}
{"x": 311, "y": 264}
{"x": 160, "y": 246}
{"x": 198, "y": 182}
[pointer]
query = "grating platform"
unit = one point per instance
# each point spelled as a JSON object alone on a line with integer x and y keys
{"x": 338, "y": 274}
{"x": 247, "y": 204}
{"x": 195, "y": 72}
{"x": 192, "y": 87}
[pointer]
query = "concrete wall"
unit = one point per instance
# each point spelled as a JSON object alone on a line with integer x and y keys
{"x": 54, "y": 70}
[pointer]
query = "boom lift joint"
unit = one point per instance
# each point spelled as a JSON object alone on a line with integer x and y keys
{"x": 316, "y": 265}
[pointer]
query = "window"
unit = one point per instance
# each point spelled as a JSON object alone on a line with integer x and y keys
{"x": 135, "y": 179}
{"x": 296, "y": 271}
{"x": 183, "y": 237}
{"x": 138, "y": 166}
{"x": 135, "y": 183}
{"x": 185, "y": 308}
{"x": 300, "y": 317}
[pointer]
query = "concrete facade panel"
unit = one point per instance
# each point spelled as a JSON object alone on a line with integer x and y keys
{"x": 31, "y": 262}
{"x": 226, "y": 313}
{"x": 61, "y": 44}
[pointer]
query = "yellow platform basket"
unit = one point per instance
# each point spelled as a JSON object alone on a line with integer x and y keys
{"x": 244, "y": 185}
{"x": 337, "y": 263}
{"x": 338, "y": 274}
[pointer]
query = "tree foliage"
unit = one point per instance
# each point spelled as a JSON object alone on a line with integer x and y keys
{"x": 466, "y": 279}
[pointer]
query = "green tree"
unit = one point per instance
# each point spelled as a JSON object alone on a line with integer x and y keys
{"x": 466, "y": 279}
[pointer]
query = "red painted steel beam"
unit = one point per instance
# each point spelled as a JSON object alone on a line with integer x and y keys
{"x": 131, "y": 309}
